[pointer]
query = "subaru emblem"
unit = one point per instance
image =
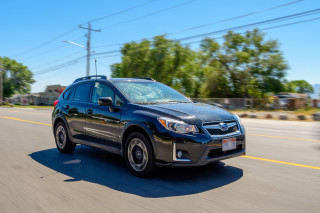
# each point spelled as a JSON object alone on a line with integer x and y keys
{"x": 223, "y": 126}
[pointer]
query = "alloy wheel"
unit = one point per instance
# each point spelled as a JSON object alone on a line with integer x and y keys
{"x": 61, "y": 137}
{"x": 137, "y": 154}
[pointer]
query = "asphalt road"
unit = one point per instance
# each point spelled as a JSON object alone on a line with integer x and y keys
{"x": 281, "y": 173}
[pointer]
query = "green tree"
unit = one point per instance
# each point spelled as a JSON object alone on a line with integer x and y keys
{"x": 243, "y": 65}
{"x": 164, "y": 60}
{"x": 299, "y": 86}
{"x": 251, "y": 66}
{"x": 17, "y": 78}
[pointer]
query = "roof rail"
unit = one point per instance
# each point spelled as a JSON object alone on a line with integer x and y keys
{"x": 145, "y": 78}
{"x": 90, "y": 77}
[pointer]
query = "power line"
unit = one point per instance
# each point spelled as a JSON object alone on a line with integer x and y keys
{"x": 236, "y": 17}
{"x": 220, "y": 21}
{"x": 143, "y": 4}
{"x": 292, "y": 16}
{"x": 44, "y": 52}
{"x": 157, "y": 12}
{"x": 267, "y": 28}
{"x": 109, "y": 56}
{"x": 59, "y": 66}
{"x": 121, "y": 11}
{"x": 50, "y": 50}
{"x": 59, "y": 59}
{"x": 150, "y": 14}
{"x": 302, "y": 14}
{"x": 69, "y": 63}
{"x": 71, "y": 30}
{"x": 58, "y": 72}
{"x": 160, "y": 11}
{"x": 72, "y": 62}
{"x": 306, "y": 13}
{"x": 116, "y": 51}
{"x": 45, "y": 43}
{"x": 108, "y": 52}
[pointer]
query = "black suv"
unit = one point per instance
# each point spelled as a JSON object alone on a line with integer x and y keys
{"x": 147, "y": 122}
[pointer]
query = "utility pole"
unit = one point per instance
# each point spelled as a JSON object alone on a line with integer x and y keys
{"x": 88, "y": 44}
{"x": 1, "y": 82}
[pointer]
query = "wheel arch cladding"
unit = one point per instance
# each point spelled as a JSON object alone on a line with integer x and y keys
{"x": 58, "y": 119}
{"x": 137, "y": 128}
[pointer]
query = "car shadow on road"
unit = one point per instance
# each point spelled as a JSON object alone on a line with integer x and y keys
{"x": 100, "y": 167}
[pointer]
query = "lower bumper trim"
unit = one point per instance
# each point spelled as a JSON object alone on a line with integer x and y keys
{"x": 202, "y": 162}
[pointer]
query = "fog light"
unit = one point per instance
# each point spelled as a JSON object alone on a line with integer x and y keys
{"x": 179, "y": 154}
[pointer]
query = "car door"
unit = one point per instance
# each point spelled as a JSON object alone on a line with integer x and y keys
{"x": 103, "y": 125}
{"x": 75, "y": 107}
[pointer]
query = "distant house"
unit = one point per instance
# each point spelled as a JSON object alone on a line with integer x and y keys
{"x": 292, "y": 95}
{"x": 292, "y": 100}
{"x": 51, "y": 93}
{"x": 19, "y": 99}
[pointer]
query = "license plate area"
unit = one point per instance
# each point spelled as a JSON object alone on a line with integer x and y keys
{"x": 229, "y": 144}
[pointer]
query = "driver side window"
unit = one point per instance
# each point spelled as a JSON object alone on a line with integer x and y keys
{"x": 101, "y": 90}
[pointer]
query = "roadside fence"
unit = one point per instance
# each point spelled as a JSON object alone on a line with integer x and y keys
{"x": 243, "y": 103}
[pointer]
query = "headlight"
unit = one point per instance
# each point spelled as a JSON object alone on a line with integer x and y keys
{"x": 237, "y": 119}
{"x": 177, "y": 126}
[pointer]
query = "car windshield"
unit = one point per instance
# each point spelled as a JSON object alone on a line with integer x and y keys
{"x": 150, "y": 93}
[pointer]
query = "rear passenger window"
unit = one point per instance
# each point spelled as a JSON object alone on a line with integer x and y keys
{"x": 66, "y": 95}
{"x": 82, "y": 92}
{"x": 72, "y": 94}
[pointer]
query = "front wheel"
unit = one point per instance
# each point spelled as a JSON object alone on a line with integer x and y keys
{"x": 139, "y": 156}
{"x": 63, "y": 142}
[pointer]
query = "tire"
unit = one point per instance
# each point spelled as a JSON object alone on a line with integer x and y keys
{"x": 139, "y": 156}
{"x": 62, "y": 139}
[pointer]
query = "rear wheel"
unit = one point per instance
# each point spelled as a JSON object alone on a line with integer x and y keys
{"x": 139, "y": 156}
{"x": 63, "y": 142}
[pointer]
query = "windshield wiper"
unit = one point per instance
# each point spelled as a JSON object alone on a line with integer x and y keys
{"x": 140, "y": 102}
{"x": 164, "y": 102}
{"x": 177, "y": 102}
{"x": 146, "y": 103}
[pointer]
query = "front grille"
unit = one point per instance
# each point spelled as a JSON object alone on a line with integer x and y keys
{"x": 220, "y": 132}
{"x": 214, "y": 128}
{"x": 215, "y": 153}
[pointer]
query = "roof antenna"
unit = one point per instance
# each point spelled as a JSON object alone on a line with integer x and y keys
{"x": 95, "y": 62}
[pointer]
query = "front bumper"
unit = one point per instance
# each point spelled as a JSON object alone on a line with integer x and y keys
{"x": 197, "y": 150}
{"x": 203, "y": 161}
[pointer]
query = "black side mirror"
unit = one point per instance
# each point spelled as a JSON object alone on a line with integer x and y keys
{"x": 106, "y": 101}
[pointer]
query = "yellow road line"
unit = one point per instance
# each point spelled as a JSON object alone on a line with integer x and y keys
{"x": 18, "y": 119}
{"x": 39, "y": 113}
{"x": 10, "y": 110}
{"x": 245, "y": 156}
{"x": 271, "y": 136}
{"x": 282, "y": 162}
{"x": 260, "y": 135}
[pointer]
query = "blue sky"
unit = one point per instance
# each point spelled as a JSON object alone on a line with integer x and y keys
{"x": 28, "y": 24}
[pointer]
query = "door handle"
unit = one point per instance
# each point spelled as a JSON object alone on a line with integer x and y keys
{"x": 67, "y": 107}
{"x": 89, "y": 111}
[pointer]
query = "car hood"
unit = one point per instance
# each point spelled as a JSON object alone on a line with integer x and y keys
{"x": 193, "y": 111}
